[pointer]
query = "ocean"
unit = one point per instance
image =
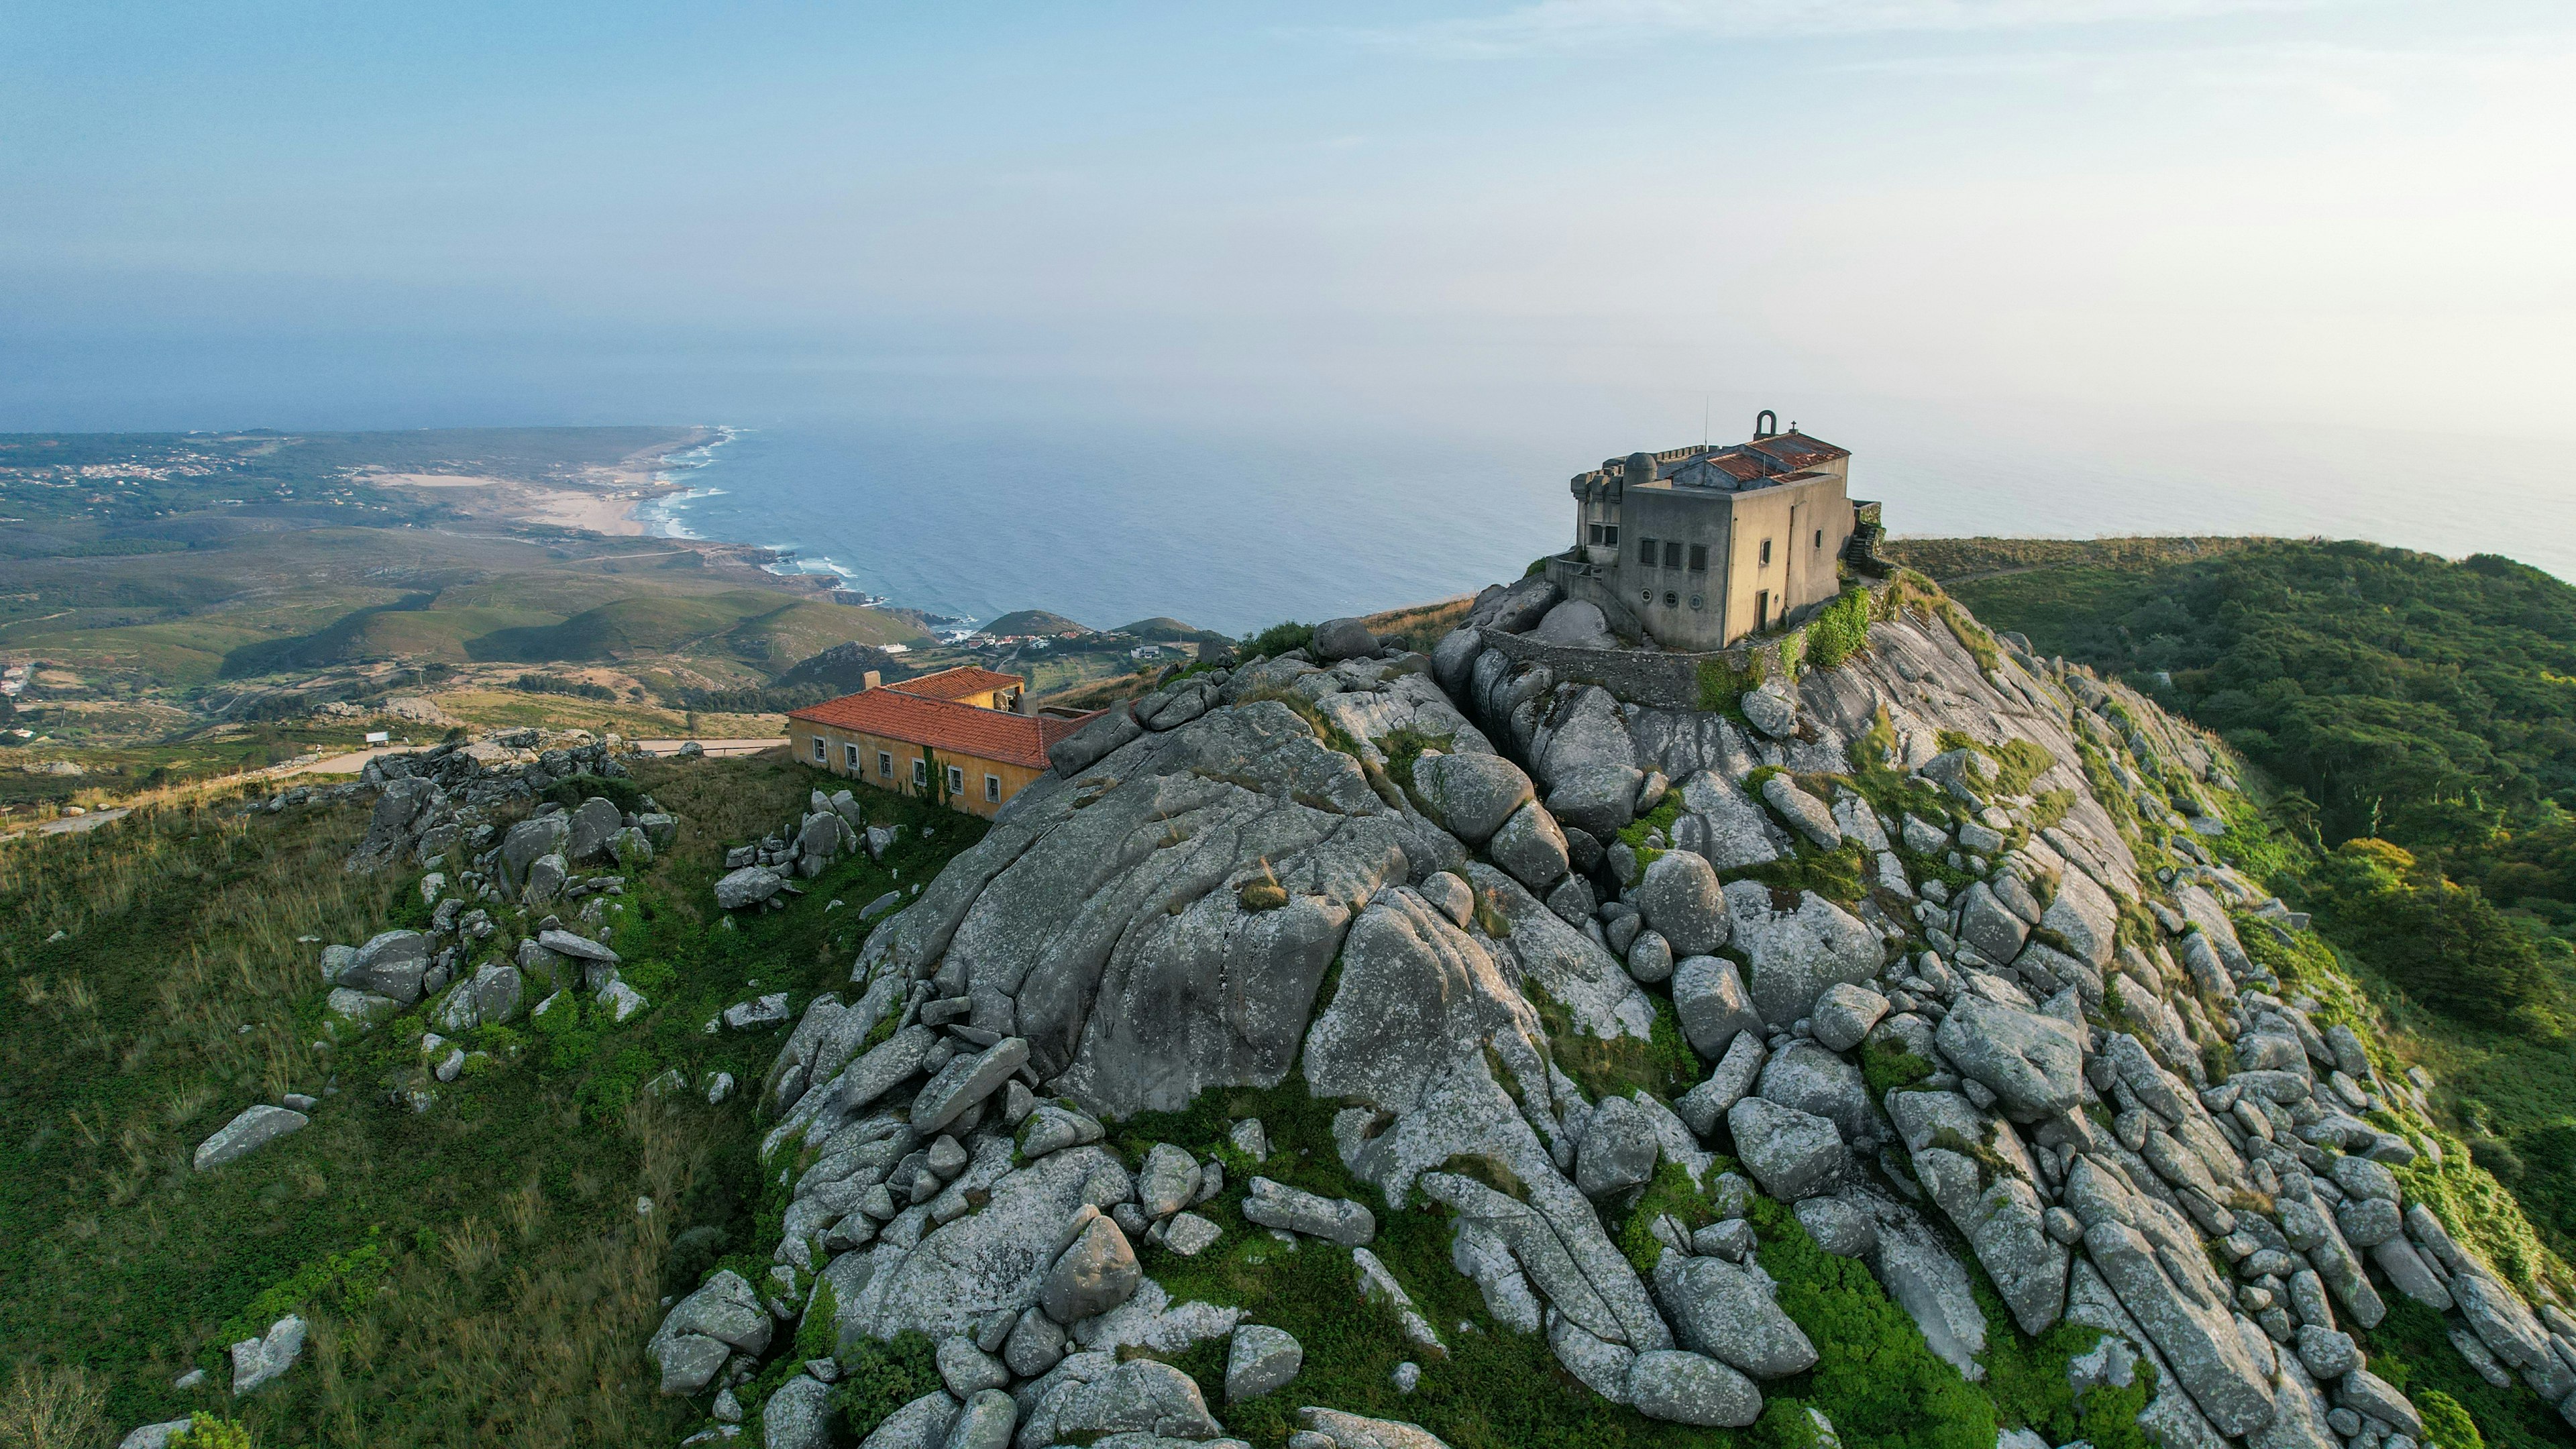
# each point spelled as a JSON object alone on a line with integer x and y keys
{"x": 1235, "y": 526}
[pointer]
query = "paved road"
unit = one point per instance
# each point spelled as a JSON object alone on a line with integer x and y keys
{"x": 718, "y": 748}
{"x": 72, "y": 824}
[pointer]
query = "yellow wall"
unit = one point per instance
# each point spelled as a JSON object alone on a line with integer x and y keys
{"x": 803, "y": 733}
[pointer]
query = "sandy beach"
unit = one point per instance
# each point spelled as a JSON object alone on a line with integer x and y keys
{"x": 605, "y": 500}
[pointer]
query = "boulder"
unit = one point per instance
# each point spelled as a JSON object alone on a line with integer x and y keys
{"x": 2033, "y": 1063}
{"x": 1771, "y": 708}
{"x": 1616, "y": 1151}
{"x": 1260, "y": 1360}
{"x": 1680, "y": 900}
{"x": 985, "y": 1423}
{"x": 1793, "y": 1154}
{"x": 1650, "y": 957}
{"x": 528, "y": 840}
{"x": 1115, "y": 728}
{"x": 1720, "y": 1310}
{"x": 705, "y": 1328}
{"x": 1139, "y": 1396}
{"x": 920, "y": 1424}
{"x": 255, "y": 1127}
{"x": 1576, "y": 624}
{"x": 1470, "y": 795}
{"x": 1529, "y": 847}
{"x": 1986, "y": 923}
{"x": 1796, "y": 948}
{"x": 546, "y": 877}
{"x": 1168, "y": 1181}
{"x": 1811, "y": 1079}
{"x": 1340, "y": 639}
{"x": 1096, "y": 1272}
{"x": 586, "y": 837}
{"x": 391, "y": 964}
{"x": 1805, "y": 813}
{"x": 1844, "y": 1014}
{"x": 748, "y": 886}
{"x": 1712, "y": 1003}
{"x": 965, "y": 1081}
{"x": 1338, "y": 1430}
{"x": 1703, "y": 1106}
{"x": 798, "y": 1415}
{"x": 257, "y": 1361}
{"x": 1690, "y": 1388}
{"x": 1277, "y": 1205}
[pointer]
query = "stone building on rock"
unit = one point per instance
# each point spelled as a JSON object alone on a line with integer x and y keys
{"x": 1696, "y": 548}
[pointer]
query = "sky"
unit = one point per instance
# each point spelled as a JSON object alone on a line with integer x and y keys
{"x": 2158, "y": 214}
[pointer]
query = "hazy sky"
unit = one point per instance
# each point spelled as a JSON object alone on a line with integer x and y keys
{"x": 2194, "y": 210}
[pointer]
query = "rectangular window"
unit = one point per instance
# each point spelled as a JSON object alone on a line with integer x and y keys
{"x": 956, "y": 781}
{"x": 822, "y": 755}
{"x": 1609, "y": 535}
{"x": 1820, "y": 538}
{"x": 1766, "y": 550}
{"x": 850, "y": 757}
{"x": 1595, "y": 535}
{"x": 1699, "y": 558}
{"x": 1672, "y": 553}
{"x": 993, "y": 789}
{"x": 921, "y": 774}
{"x": 1646, "y": 552}
{"x": 885, "y": 765}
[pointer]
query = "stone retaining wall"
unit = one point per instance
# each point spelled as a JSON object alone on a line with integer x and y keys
{"x": 1658, "y": 678}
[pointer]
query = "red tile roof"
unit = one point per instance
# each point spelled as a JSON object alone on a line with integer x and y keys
{"x": 962, "y": 729}
{"x": 958, "y": 683}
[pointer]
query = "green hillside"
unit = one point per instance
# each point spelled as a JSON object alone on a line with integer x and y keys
{"x": 2417, "y": 719}
{"x": 1032, "y": 621}
{"x": 475, "y": 1272}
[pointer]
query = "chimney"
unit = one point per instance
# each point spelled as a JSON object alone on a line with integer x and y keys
{"x": 872, "y": 680}
{"x": 1022, "y": 704}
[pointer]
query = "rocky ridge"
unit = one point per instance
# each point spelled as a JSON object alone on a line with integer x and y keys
{"x": 1963, "y": 977}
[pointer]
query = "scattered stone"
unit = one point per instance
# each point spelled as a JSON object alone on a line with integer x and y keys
{"x": 1844, "y": 1014}
{"x": 1260, "y": 1360}
{"x": 256, "y": 1361}
{"x": 256, "y": 1127}
{"x": 1190, "y": 1235}
{"x": 1277, "y": 1205}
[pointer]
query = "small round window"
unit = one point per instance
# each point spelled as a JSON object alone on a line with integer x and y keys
{"x": 1645, "y": 596}
{"x": 1698, "y": 602}
{"x": 1671, "y": 599}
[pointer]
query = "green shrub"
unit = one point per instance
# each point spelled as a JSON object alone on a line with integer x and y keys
{"x": 1889, "y": 1067}
{"x": 1839, "y": 630}
{"x": 1874, "y": 1377}
{"x": 623, "y": 793}
{"x": 1279, "y": 639}
{"x": 1721, "y": 685}
{"x": 1674, "y": 1194}
{"x": 2446, "y": 1424}
{"x": 879, "y": 1378}
{"x": 205, "y": 1431}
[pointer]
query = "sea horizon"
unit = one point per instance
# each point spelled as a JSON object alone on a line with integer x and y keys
{"x": 1237, "y": 527}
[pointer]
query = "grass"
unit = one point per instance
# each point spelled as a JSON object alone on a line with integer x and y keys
{"x": 474, "y": 1272}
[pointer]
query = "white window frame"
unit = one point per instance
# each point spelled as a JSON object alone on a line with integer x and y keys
{"x": 956, "y": 780}
{"x": 850, "y": 756}
{"x": 822, "y": 751}
{"x": 920, "y": 773}
{"x": 992, "y": 789}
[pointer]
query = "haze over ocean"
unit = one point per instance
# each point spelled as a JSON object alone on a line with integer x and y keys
{"x": 1232, "y": 527}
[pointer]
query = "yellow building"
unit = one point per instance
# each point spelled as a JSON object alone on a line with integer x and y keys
{"x": 957, "y": 735}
